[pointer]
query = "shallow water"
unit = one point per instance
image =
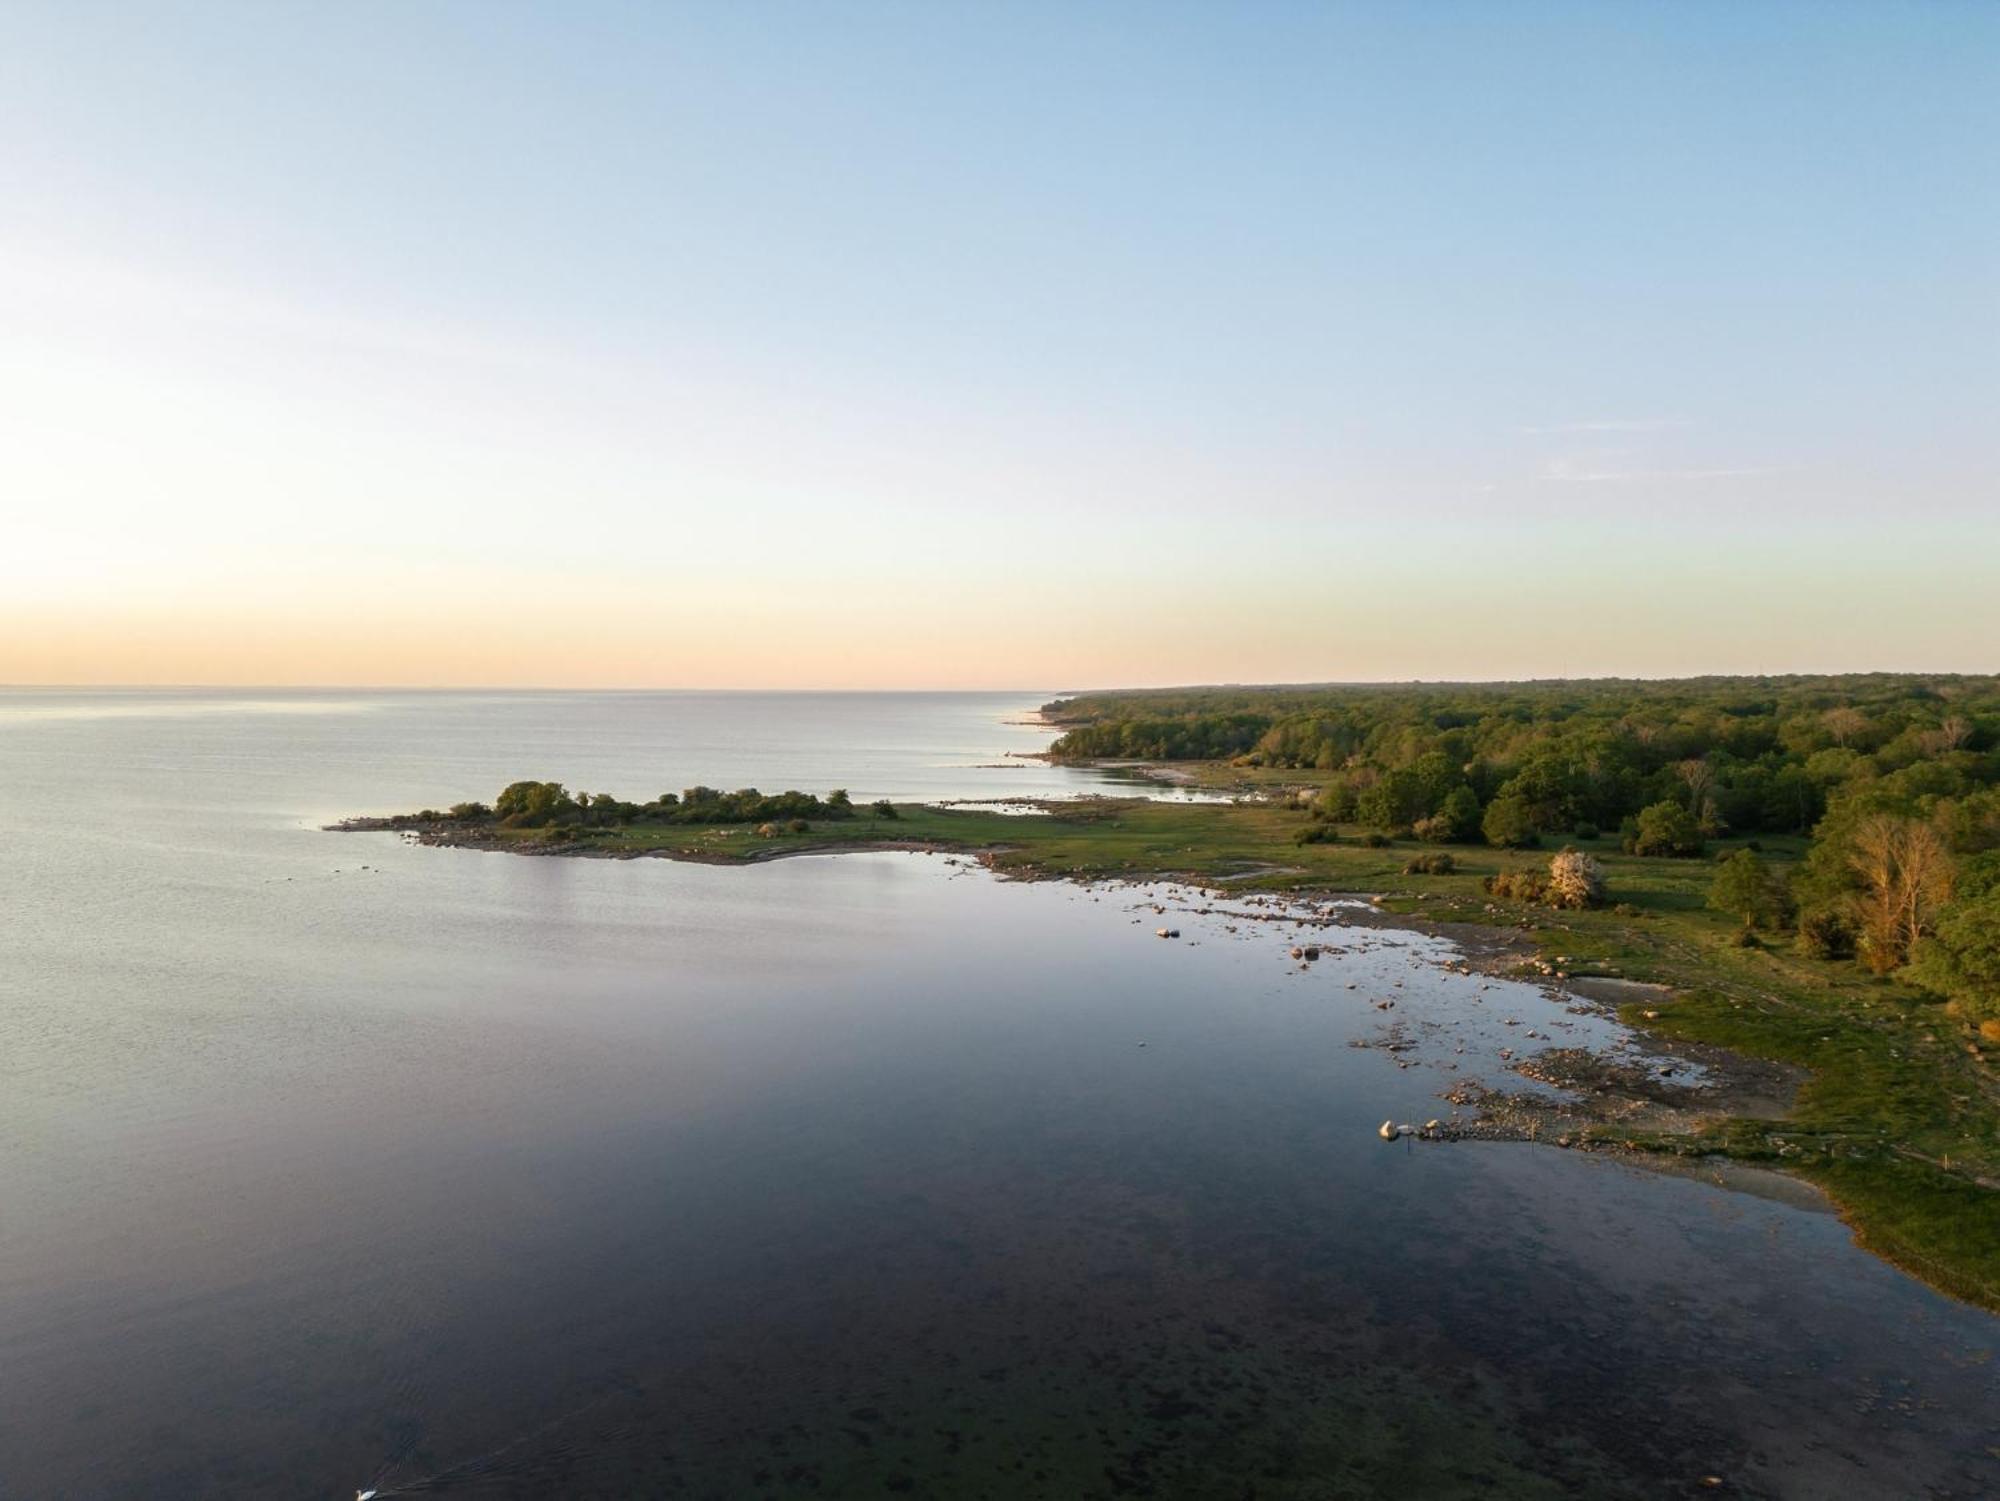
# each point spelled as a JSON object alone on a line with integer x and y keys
{"x": 328, "y": 1161}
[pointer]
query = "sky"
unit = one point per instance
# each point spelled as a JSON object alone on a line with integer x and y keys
{"x": 1009, "y": 345}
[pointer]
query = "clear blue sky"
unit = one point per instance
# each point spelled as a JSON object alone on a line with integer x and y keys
{"x": 932, "y": 344}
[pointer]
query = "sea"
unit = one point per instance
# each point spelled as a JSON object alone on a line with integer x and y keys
{"x": 333, "y": 1164}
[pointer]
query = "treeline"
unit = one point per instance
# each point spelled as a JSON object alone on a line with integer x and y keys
{"x": 1896, "y": 778}
{"x": 550, "y": 805}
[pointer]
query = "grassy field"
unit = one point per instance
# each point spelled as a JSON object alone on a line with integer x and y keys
{"x": 1899, "y": 1123}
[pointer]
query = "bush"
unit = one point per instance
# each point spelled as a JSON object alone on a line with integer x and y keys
{"x": 798, "y": 826}
{"x": 1519, "y": 885}
{"x": 1826, "y": 933}
{"x": 884, "y": 809}
{"x": 1316, "y": 833}
{"x": 1666, "y": 828}
{"x": 1961, "y": 960}
{"x": 527, "y": 805}
{"x": 1575, "y": 880}
{"x": 1585, "y": 830}
{"x": 1435, "y": 863}
{"x": 1509, "y": 823}
{"x": 1745, "y": 887}
{"x": 1338, "y": 802}
{"x": 1375, "y": 839}
{"x": 1455, "y": 822}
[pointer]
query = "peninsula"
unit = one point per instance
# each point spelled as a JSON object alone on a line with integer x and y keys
{"x": 1808, "y": 869}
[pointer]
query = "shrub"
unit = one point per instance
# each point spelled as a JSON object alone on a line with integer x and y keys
{"x": 1826, "y": 933}
{"x": 1585, "y": 830}
{"x": 1519, "y": 885}
{"x": 1509, "y": 823}
{"x": 1338, "y": 802}
{"x": 1575, "y": 880}
{"x": 1375, "y": 839}
{"x": 1434, "y": 863}
{"x": 1316, "y": 833}
{"x": 527, "y": 805}
{"x": 1666, "y": 828}
{"x": 798, "y": 826}
{"x": 1745, "y": 887}
{"x": 1456, "y": 820}
{"x": 884, "y": 809}
{"x": 1961, "y": 960}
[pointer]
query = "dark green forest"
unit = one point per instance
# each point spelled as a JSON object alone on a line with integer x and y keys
{"x": 1895, "y": 780}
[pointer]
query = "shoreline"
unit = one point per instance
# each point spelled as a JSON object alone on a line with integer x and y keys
{"x": 1601, "y": 1090}
{"x": 1781, "y": 1052}
{"x": 437, "y": 836}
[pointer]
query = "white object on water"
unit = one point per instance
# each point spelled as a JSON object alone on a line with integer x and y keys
{"x": 363, "y": 1495}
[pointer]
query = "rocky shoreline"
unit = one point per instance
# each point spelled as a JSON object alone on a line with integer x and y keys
{"x": 1572, "y": 1097}
{"x": 1575, "y": 1097}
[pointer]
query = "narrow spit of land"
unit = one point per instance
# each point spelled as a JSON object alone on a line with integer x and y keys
{"x": 1861, "y": 1086}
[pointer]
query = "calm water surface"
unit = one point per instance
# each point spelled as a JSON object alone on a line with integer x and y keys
{"x": 327, "y": 1162}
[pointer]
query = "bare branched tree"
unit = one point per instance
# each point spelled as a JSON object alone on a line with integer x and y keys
{"x": 1844, "y": 723}
{"x": 1905, "y": 869}
{"x": 1947, "y": 737}
{"x": 1700, "y": 779}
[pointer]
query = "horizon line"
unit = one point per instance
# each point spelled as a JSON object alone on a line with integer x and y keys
{"x": 1152, "y": 687}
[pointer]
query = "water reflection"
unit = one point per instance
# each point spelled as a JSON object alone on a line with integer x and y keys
{"x": 326, "y": 1159}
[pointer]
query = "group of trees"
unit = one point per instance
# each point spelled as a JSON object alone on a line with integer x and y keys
{"x": 1743, "y": 755}
{"x": 550, "y": 805}
{"x": 1902, "y": 873}
{"x": 1896, "y": 778}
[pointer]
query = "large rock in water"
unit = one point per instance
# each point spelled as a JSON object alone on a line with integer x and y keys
{"x": 1389, "y": 1131}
